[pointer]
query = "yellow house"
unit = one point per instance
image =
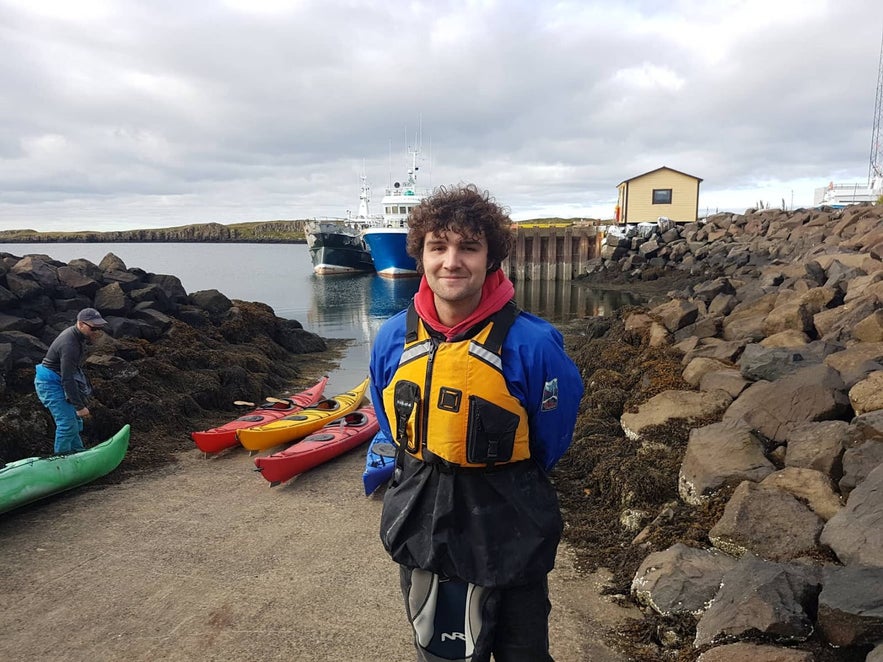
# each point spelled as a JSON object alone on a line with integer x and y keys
{"x": 661, "y": 192}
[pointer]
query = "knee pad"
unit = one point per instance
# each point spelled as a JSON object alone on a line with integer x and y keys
{"x": 446, "y": 615}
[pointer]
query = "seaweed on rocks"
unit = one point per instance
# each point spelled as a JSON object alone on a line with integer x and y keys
{"x": 604, "y": 474}
{"x": 186, "y": 380}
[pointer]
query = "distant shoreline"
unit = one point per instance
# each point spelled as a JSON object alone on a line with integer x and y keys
{"x": 263, "y": 232}
{"x": 255, "y": 232}
{"x": 69, "y": 240}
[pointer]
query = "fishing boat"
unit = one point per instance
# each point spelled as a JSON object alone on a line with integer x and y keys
{"x": 224, "y": 436}
{"x": 337, "y": 246}
{"x": 25, "y": 481}
{"x": 379, "y": 463}
{"x": 387, "y": 239}
{"x": 335, "y": 438}
{"x": 306, "y": 421}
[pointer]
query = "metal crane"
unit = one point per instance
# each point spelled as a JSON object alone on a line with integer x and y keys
{"x": 875, "y": 168}
{"x": 841, "y": 195}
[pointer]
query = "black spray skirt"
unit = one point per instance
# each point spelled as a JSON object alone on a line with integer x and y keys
{"x": 496, "y": 528}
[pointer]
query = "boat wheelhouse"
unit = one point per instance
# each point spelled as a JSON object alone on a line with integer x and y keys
{"x": 387, "y": 239}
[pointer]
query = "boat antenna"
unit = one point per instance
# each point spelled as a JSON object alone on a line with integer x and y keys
{"x": 364, "y": 195}
{"x": 875, "y": 168}
{"x": 415, "y": 152}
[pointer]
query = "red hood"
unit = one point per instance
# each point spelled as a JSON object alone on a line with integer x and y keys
{"x": 497, "y": 291}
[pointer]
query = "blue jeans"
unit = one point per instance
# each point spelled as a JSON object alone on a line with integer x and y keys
{"x": 68, "y": 425}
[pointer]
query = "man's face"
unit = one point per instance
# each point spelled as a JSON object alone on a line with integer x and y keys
{"x": 91, "y": 331}
{"x": 455, "y": 267}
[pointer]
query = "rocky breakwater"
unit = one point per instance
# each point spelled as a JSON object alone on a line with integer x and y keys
{"x": 780, "y": 343}
{"x": 170, "y": 362}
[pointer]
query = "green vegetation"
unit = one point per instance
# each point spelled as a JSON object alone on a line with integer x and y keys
{"x": 282, "y": 231}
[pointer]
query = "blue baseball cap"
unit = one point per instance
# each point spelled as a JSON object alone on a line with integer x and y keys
{"x": 91, "y": 317}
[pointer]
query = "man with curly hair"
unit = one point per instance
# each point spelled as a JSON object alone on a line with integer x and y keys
{"x": 480, "y": 399}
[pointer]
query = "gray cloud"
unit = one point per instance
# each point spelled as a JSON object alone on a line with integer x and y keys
{"x": 131, "y": 114}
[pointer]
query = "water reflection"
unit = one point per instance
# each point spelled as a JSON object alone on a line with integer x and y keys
{"x": 356, "y": 306}
{"x": 559, "y": 301}
{"x": 389, "y": 296}
{"x": 339, "y": 304}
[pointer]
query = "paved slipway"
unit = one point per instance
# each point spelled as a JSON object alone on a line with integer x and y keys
{"x": 202, "y": 560}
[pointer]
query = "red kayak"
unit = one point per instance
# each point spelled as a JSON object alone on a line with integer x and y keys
{"x": 337, "y": 437}
{"x": 217, "y": 439}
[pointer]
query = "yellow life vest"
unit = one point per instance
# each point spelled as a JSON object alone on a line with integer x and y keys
{"x": 448, "y": 401}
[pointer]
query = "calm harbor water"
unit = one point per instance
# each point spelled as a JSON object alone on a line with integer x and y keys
{"x": 281, "y": 276}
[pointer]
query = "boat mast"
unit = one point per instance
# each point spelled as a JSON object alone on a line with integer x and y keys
{"x": 412, "y": 173}
{"x": 364, "y": 197}
{"x": 875, "y": 167}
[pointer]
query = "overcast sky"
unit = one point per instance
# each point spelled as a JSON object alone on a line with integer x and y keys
{"x": 122, "y": 114}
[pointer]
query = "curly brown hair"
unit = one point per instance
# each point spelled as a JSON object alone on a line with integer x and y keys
{"x": 466, "y": 210}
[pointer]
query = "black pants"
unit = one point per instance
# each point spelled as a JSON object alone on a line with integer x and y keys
{"x": 512, "y": 624}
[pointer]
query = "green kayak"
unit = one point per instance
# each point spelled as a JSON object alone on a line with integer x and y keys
{"x": 33, "y": 478}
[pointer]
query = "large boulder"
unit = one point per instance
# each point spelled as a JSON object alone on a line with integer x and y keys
{"x": 760, "y": 596}
{"x": 814, "y": 393}
{"x": 671, "y": 405}
{"x": 867, "y": 394}
{"x": 819, "y": 446}
{"x": 745, "y": 652}
{"x": 855, "y": 532}
{"x": 717, "y": 455}
{"x": 680, "y": 579}
{"x": 812, "y": 487}
{"x": 767, "y": 522}
{"x": 850, "y": 609}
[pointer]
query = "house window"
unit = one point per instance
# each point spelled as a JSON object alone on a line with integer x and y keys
{"x": 662, "y": 196}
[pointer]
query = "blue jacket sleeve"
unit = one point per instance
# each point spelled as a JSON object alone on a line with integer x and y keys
{"x": 385, "y": 354}
{"x": 548, "y": 383}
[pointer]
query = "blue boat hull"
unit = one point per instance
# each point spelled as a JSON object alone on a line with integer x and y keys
{"x": 391, "y": 259}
